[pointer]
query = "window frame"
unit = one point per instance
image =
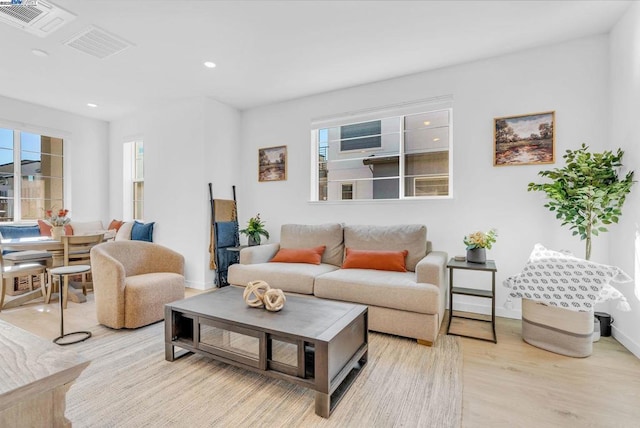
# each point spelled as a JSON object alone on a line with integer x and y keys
{"x": 131, "y": 179}
{"x": 433, "y": 105}
{"x": 17, "y": 130}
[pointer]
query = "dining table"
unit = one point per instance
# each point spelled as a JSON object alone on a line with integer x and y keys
{"x": 41, "y": 243}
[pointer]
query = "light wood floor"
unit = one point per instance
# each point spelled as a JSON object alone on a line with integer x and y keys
{"x": 508, "y": 384}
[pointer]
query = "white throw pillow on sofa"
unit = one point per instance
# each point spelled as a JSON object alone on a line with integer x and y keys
{"x": 124, "y": 233}
{"x": 83, "y": 228}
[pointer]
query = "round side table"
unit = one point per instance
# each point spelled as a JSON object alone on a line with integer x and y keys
{"x": 61, "y": 272}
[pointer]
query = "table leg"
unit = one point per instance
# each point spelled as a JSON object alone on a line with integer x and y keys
{"x": 61, "y": 310}
{"x": 58, "y": 340}
{"x": 323, "y": 404}
{"x": 450, "y": 298}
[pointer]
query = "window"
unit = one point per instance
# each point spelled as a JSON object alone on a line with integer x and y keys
{"x": 133, "y": 168}
{"x": 138, "y": 181}
{"x": 347, "y": 191}
{"x": 399, "y": 156}
{"x": 361, "y": 136}
{"x": 31, "y": 172}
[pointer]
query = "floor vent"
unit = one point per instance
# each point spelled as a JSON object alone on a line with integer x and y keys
{"x": 98, "y": 43}
{"x": 42, "y": 19}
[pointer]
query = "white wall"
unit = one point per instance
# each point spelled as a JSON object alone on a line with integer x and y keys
{"x": 86, "y": 153}
{"x": 180, "y": 140}
{"x": 625, "y": 134}
{"x": 570, "y": 78}
{"x": 221, "y": 163}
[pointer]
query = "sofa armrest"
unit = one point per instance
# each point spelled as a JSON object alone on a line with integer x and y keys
{"x": 432, "y": 269}
{"x": 258, "y": 253}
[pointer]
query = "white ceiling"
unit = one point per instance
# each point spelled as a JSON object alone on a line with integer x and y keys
{"x": 269, "y": 51}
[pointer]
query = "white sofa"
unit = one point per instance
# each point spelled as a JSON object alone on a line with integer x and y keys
{"x": 409, "y": 304}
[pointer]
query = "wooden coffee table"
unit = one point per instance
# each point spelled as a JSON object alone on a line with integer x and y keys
{"x": 319, "y": 344}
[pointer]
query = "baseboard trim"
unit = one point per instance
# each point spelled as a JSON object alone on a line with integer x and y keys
{"x": 198, "y": 285}
{"x": 626, "y": 341}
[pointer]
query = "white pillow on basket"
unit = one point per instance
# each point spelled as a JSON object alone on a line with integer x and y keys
{"x": 563, "y": 280}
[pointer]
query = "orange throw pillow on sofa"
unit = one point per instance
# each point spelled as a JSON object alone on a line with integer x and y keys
{"x": 115, "y": 225}
{"x": 379, "y": 260}
{"x": 45, "y": 228}
{"x": 299, "y": 255}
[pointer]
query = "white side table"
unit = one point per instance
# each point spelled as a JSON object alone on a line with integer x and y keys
{"x": 63, "y": 271}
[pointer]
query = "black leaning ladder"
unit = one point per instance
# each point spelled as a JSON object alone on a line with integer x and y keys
{"x": 221, "y": 265}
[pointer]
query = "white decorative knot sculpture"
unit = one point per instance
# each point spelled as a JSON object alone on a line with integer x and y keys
{"x": 258, "y": 294}
{"x": 254, "y": 292}
{"x": 274, "y": 300}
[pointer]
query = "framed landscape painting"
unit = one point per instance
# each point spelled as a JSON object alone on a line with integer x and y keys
{"x": 272, "y": 163}
{"x": 524, "y": 140}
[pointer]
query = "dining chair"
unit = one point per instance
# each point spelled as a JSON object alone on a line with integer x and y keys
{"x": 77, "y": 250}
{"x": 13, "y": 272}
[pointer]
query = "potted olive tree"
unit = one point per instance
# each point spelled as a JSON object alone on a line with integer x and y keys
{"x": 587, "y": 194}
{"x": 255, "y": 230}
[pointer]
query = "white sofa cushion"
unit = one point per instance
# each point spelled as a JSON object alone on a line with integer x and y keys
{"x": 84, "y": 228}
{"x": 289, "y": 277}
{"x": 124, "y": 233}
{"x": 410, "y": 237}
{"x": 396, "y": 290}
{"x": 308, "y": 236}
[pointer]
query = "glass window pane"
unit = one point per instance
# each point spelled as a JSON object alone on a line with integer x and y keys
{"x": 390, "y": 145}
{"x": 427, "y": 186}
{"x": 426, "y": 139}
{"x": 426, "y": 120}
{"x": 6, "y": 161}
{"x": 6, "y": 209}
{"x": 41, "y": 164}
{"x": 427, "y": 174}
{"x": 386, "y": 188}
{"x": 51, "y": 145}
{"x": 427, "y": 163}
{"x": 36, "y": 187}
{"x": 138, "y": 212}
{"x": 388, "y": 166}
{"x": 30, "y": 142}
{"x": 33, "y": 209}
{"x": 347, "y": 191}
{"x": 6, "y": 138}
{"x": 138, "y": 191}
{"x": 139, "y": 161}
{"x": 6, "y": 184}
{"x": 361, "y": 129}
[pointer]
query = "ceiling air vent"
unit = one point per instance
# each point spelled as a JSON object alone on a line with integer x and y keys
{"x": 40, "y": 19}
{"x": 96, "y": 42}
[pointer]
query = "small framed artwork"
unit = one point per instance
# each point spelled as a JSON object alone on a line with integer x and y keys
{"x": 524, "y": 140}
{"x": 272, "y": 163}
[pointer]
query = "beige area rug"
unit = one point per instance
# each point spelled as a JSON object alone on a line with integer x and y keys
{"x": 130, "y": 384}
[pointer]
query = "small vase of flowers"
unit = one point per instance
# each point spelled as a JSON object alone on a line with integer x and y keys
{"x": 477, "y": 244}
{"x": 57, "y": 221}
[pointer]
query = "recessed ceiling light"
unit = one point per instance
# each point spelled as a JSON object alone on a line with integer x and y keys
{"x": 40, "y": 53}
{"x": 92, "y": 105}
{"x": 210, "y": 64}
{"x": 436, "y": 139}
{"x": 427, "y": 123}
